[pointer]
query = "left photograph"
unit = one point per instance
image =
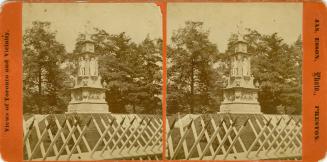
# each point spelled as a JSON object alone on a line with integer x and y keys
{"x": 92, "y": 81}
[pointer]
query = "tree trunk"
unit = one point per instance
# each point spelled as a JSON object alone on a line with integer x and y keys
{"x": 134, "y": 110}
{"x": 192, "y": 87}
{"x": 40, "y": 88}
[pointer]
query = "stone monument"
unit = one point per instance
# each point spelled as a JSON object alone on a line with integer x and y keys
{"x": 88, "y": 93}
{"x": 239, "y": 92}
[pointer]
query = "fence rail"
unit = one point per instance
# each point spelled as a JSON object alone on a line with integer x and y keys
{"x": 92, "y": 137}
{"x": 234, "y": 137}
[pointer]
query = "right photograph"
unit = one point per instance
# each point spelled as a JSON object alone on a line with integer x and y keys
{"x": 234, "y": 86}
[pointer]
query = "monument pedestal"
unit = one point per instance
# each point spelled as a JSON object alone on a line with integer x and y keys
{"x": 240, "y": 108}
{"x": 88, "y": 107}
{"x": 88, "y": 98}
{"x": 241, "y": 98}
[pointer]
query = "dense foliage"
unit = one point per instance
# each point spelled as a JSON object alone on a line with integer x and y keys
{"x": 42, "y": 76}
{"x": 132, "y": 71}
{"x": 191, "y": 76}
{"x": 196, "y": 71}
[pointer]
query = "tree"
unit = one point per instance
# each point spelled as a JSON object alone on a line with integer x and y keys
{"x": 190, "y": 75}
{"x": 42, "y": 76}
{"x": 150, "y": 52}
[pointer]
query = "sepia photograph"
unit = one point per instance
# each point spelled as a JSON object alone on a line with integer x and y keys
{"x": 234, "y": 81}
{"x": 163, "y": 80}
{"x": 92, "y": 81}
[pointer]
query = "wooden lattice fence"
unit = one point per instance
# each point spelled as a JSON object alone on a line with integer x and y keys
{"x": 234, "y": 137}
{"x": 92, "y": 137}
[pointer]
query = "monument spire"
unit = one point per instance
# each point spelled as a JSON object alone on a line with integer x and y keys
{"x": 87, "y": 28}
{"x": 240, "y": 31}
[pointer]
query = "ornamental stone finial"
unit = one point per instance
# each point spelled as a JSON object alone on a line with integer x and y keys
{"x": 87, "y": 28}
{"x": 240, "y": 31}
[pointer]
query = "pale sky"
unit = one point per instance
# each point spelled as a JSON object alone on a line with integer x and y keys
{"x": 140, "y": 19}
{"x": 135, "y": 19}
{"x": 222, "y": 18}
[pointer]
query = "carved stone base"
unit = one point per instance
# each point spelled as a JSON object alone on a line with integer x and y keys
{"x": 242, "y": 108}
{"x": 88, "y": 107}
